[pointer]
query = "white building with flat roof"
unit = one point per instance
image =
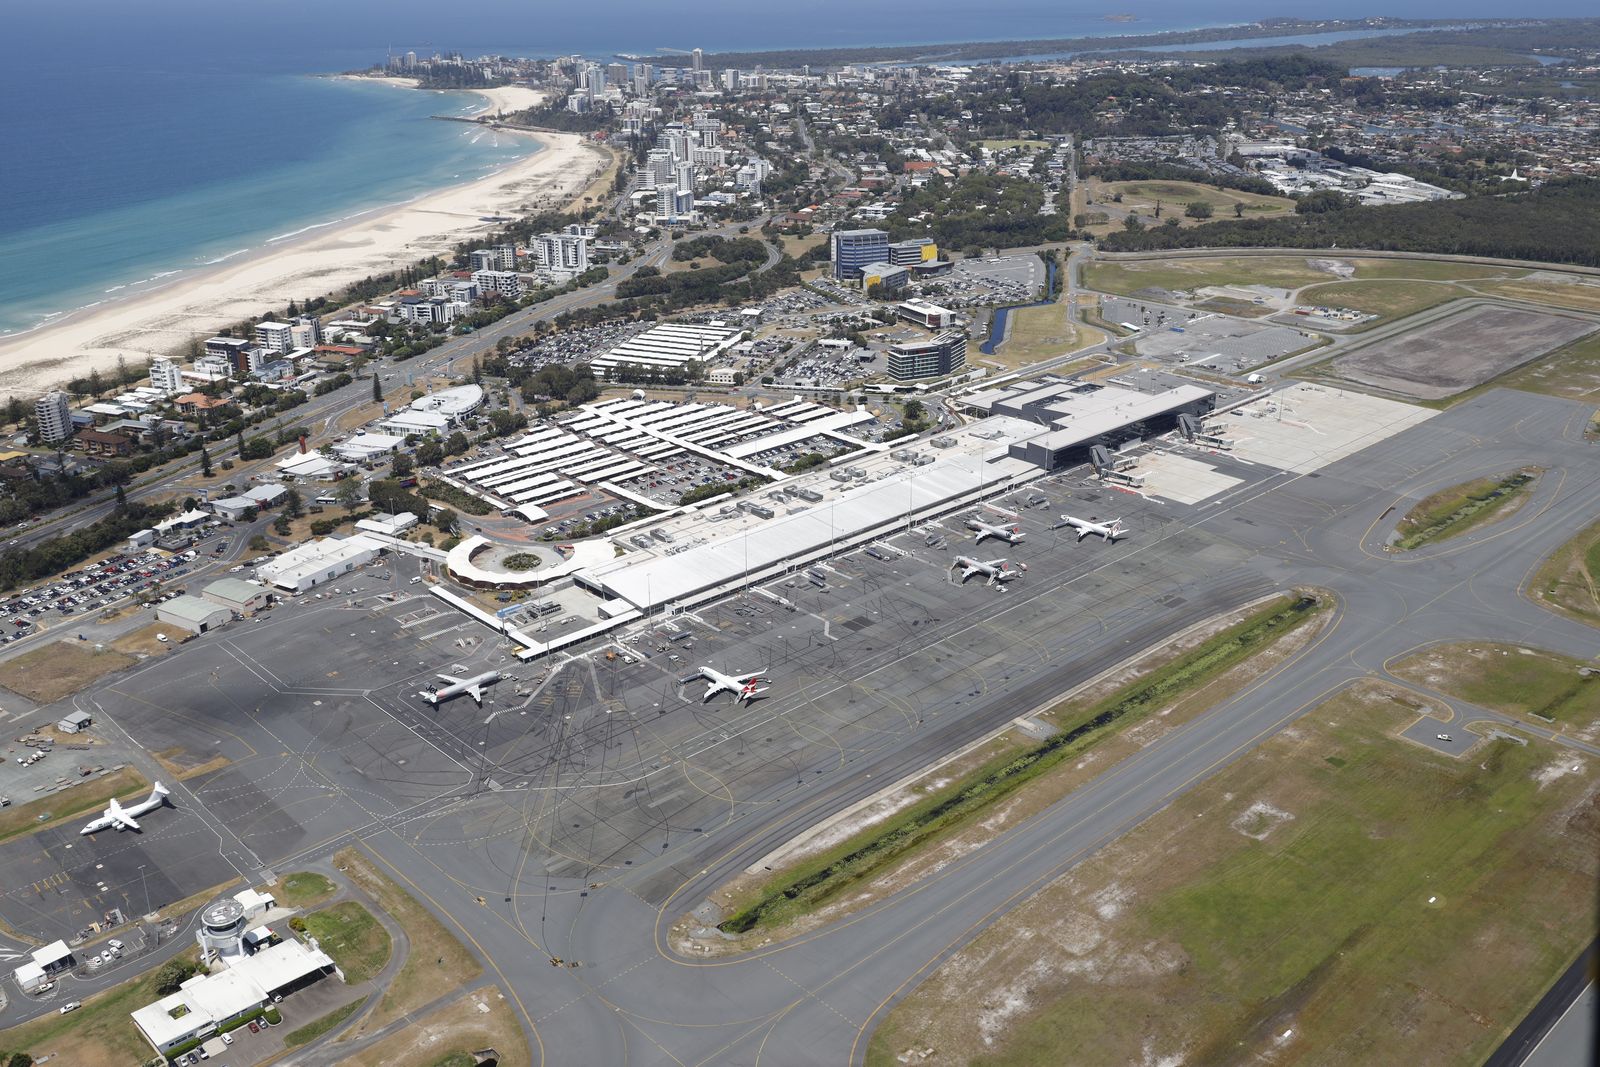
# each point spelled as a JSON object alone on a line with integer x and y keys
{"x": 316, "y": 562}
{"x": 671, "y": 346}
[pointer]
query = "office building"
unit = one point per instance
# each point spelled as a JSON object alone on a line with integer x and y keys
{"x": 853, "y": 249}
{"x": 910, "y": 253}
{"x": 925, "y": 314}
{"x": 54, "y": 418}
{"x": 945, "y": 353}
{"x": 881, "y": 278}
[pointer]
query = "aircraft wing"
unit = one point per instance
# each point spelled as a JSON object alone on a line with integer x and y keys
{"x": 753, "y": 676}
{"x": 476, "y": 693}
{"x": 122, "y": 820}
{"x": 712, "y": 690}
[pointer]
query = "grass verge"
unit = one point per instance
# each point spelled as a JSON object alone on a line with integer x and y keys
{"x": 1569, "y": 581}
{"x": 355, "y": 939}
{"x": 59, "y": 669}
{"x": 448, "y": 1035}
{"x": 1452, "y": 512}
{"x": 437, "y": 962}
{"x": 814, "y": 882}
{"x": 317, "y": 1027}
{"x": 1130, "y": 276}
{"x": 100, "y": 1032}
{"x": 1338, "y": 896}
{"x": 1510, "y": 678}
{"x": 124, "y": 783}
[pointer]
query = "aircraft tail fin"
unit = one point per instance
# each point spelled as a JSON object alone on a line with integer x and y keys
{"x": 159, "y": 791}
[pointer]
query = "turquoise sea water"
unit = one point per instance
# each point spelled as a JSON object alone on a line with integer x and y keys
{"x": 140, "y": 141}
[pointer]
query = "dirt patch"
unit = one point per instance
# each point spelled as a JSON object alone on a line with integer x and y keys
{"x": 145, "y": 641}
{"x": 1459, "y": 351}
{"x": 60, "y": 669}
{"x": 476, "y": 1021}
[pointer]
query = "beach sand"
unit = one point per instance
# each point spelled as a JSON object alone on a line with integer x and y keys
{"x": 162, "y": 320}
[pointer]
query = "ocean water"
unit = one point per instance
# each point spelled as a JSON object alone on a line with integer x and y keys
{"x": 141, "y": 141}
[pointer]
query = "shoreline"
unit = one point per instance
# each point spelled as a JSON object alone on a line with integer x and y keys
{"x": 313, "y": 260}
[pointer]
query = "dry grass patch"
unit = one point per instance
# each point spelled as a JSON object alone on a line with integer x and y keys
{"x": 437, "y": 962}
{"x": 1177, "y": 273}
{"x": 450, "y": 1034}
{"x": 1582, "y": 295}
{"x": 1338, "y": 896}
{"x": 1569, "y": 581}
{"x": 1385, "y": 299}
{"x": 143, "y": 641}
{"x": 1572, "y": 372}
{"x": 60, "y": 669}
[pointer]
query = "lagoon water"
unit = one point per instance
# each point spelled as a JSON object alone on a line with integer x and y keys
{"x": 145, "y": 139}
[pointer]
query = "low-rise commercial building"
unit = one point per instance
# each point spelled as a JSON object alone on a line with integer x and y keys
{"x": 246, "y": 598}
{"x": 194, "y": 614}
{"x": 314, "y": 563}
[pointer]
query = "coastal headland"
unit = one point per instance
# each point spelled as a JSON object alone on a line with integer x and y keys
{"x": 323, "y": 260}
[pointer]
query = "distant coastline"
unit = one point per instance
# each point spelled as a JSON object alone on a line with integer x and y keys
{"x": 312, "y": 260}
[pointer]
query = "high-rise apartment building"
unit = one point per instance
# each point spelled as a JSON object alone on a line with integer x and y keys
{"x": 697, "y": 59}
{"x": 54, "y": 418}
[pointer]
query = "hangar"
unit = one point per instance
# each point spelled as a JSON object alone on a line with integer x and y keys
{"x": 246, "y": 598}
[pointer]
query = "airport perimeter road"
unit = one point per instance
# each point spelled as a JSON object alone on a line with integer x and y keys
{"x": 616, "y": 991}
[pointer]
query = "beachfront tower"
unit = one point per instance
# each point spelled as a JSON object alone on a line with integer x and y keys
{"x": 54, "y": 418}
{"x": 698, "y": 58}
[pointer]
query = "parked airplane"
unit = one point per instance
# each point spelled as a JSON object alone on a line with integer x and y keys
{"x": 118, "y": 817}
{"x": 473, "y": 687}
{"x": 742, "y": 686}
{"x": 995, "y": 570}
{"x": 1011, "y": 534}
{"x": 1108, "y": 530}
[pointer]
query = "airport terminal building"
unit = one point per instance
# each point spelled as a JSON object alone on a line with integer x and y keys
{"x": 1076, "y": 416}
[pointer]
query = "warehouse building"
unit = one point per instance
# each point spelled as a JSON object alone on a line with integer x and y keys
{"x": 193, "y": 613}
{"x": 246, "y": 598}
{"x": 311, "y": 564}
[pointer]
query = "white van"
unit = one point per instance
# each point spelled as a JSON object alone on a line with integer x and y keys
{"x": 414, "y": 581}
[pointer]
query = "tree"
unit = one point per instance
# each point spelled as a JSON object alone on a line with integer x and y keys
{"x": 258, "y": 543}
{"x": 456, "y": 443}
{"x": 122, "y": 498}
{"x": 293, "y": 504}
{"x": 174, "y": 973}
{"x": 348, "y": 494}
{"x": 1199, "y": 209}
{"x": 256, "y": 448}
{"x": 402, "y": 466}
{"x": 1132, "y": 223}
{"x": 1238, "y": 209}
{"x": 444, "y": 519}
{"x": 205, "y": 461}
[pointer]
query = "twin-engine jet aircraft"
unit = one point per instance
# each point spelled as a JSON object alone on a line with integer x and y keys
{"x": 742, "y": 686}
{"x": 1110, "y": 531}
{"x": 995, "y": 570}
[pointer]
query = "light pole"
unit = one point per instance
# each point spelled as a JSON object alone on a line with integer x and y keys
{"x": 143, "y": 882}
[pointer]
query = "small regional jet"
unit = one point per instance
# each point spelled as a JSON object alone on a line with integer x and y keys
{"x": 1110, "y": 531}
{"x": 1011, "y": 533}
{"x": 118, "y": 817}
{"x": 995, "y": 570}
{"x": 742, "y": 686}
{"x": 473, "y": 687}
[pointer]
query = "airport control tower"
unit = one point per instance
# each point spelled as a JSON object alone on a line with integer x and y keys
{"x": 221, "y": 932}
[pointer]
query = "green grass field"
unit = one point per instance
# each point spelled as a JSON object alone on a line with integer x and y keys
{"x": 302, "y": 889}
{"x": 1286, "y": 272}
{"x": 1038, "y": 333}
{"x": 1510, "y": 678}
{"x": 357, "y": 942}
{"x": 1387, "y": 300}
{"x": 1338, "y": 896}
{"x": 100, "y": 1032}
{"x": 1453, "y": 511}
{"x": 1175, "y": 196}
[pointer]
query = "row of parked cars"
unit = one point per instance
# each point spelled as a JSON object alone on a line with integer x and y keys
{"x": 89, "y": 588}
